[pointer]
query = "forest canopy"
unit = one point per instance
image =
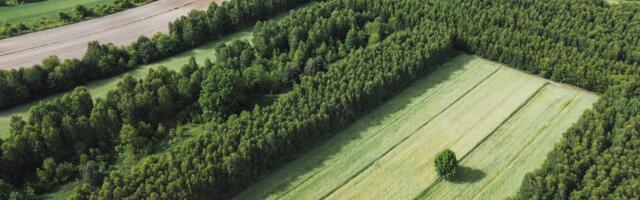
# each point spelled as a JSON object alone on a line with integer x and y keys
{"x": 330, "y": 62}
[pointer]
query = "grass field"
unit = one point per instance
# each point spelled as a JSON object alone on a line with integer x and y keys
{"x": 478, "y": 108}
{"x": 617, "y": 2}
{"x": 34, "y": 11}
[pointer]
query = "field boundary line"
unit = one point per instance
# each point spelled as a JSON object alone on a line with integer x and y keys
{"x": 526, "y": 102}
{"x": 413, "y": 132}
{"x": 382, "y": 129}
{"x": 517, "y": 155}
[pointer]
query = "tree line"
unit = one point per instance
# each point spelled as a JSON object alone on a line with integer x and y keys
{"x": 585, "y": 43}
{"x": 235, "y": 150}
{"x": 75, "y": 132}
{"x": 234, "y": 153}
{"x": 337, "y": 60}
{"x": 105, "y": 60}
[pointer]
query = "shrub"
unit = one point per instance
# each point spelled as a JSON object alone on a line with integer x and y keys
{"x": 446, "y": 163}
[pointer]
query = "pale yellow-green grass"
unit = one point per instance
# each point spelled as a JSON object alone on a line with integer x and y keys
{"x": 32, "y": 11}
{"x": 102, "y": 87}
{"x": 470, "y": 105}
{"x": 406, "y": 170}
{"x": 495, "y": 169}
{"x": 354, "y": 149}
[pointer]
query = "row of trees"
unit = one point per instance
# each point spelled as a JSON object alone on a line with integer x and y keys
{"x": 341, "y": 58}
{"x": 323, "y": 98}
{"x": 101, "y": 61}
{"x": 234, "y": 153}
{"x": 137, "y": 113}
{"x": 584, "y": 43}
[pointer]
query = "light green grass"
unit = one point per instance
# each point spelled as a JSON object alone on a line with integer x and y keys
{"x": 102, "y": 87}
{"x": 33, "y": 11}
{"x": 388, "y": 154}
{"x": 406, "y": 170}
{"x": 61, "y": 193}
{"x": 495, "y": 169}
{"x": 368, "y": 138}
{"x": 618, "y": 2}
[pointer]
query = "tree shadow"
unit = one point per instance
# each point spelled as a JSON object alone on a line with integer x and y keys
{"x": 467, "y": 175}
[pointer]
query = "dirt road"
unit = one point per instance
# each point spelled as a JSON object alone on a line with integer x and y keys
{"x": 71, "y": 41}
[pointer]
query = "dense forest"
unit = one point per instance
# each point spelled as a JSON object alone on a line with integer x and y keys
{"x": 105, "y": 60}
{"x": 331, "y": 63}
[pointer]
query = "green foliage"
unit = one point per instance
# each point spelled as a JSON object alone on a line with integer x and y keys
{"x": 101, "y": 61}
{"x": 446, "y": 164}
{"x": 5, "y": 189}
{"x": 339, "y": 59}
{"x": 52, "y": 172}
{"x": 220, "y": 92}
{"x": 92, "y": 173}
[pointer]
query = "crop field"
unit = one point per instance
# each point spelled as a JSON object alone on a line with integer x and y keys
{"x": 33, "y": 11}
{"x": 500, "y": 122}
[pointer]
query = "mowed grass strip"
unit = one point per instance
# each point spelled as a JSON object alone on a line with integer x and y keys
{"x": 495, "y": 169}
{"x": 408, "y": 169}
{"x": 34, "y": 11}
{"x": 102, "y": 87}
{"x": 326, "y": 167}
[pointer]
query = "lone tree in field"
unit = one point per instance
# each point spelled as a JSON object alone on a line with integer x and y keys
{"x": 446, "y": 163}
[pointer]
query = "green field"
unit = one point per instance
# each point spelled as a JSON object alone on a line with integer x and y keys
{"x": 617, "y": 2}
{"x": 500, "y": 121}
{"x": 33, "y": 11}
{"x": 102, "y": 87}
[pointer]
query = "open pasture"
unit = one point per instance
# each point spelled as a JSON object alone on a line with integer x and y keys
{"x": 499, "y": 121}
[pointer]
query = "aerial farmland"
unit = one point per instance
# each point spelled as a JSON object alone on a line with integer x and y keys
{"x": 319, "y": 99}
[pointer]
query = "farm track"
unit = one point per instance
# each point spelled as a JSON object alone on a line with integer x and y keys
{"x": 388, "y": 154}
{"x": 71, "y": 41}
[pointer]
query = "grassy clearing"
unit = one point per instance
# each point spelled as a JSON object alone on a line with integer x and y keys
{"x": 33, "y": 11}
{"x": 517, "y": 147}
{"x": 102, "y": 87}
{"x": 366, "y": 139}
{"x": 408, "y": 168}
{"x": 469, "y": 105}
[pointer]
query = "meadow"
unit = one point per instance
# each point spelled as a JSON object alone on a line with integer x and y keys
{"x": 33, "y": 11}
{"x": 477, "y": 108}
